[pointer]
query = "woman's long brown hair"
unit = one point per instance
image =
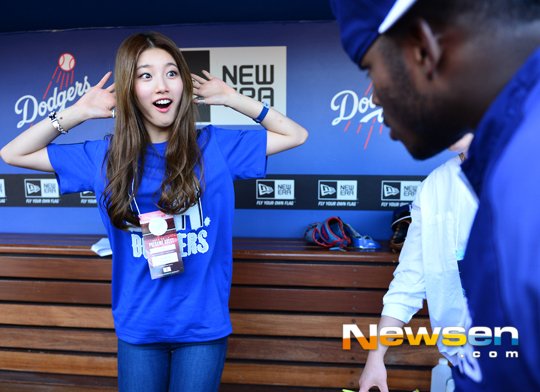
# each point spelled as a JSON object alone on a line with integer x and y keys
{"x": 126, "y": 155}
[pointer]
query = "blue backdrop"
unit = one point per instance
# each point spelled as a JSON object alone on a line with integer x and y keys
{"x": 325, "y": 92}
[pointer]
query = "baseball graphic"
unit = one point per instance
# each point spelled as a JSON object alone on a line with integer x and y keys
{"x": 66, "y": 61}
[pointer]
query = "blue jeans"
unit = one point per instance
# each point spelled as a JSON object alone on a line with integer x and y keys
{"x": 171, "y": 367}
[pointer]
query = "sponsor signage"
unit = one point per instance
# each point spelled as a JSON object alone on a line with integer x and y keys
{"x": 395, "y": 192}
{"x": 275, "y": 192}
{"x": 19, "y": 190}
{"x": 337, "y": 193}
{"x": 312, "y": 192}
{"x": 41, "y": 191}
{"x": 88, "y": 198}
{"x": 302, "y": 192}
{"x": 260, "y": 72}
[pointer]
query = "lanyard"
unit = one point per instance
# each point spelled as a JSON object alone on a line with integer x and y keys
{"x": 133, "y": 194}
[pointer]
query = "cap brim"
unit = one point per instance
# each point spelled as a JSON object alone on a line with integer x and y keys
{"x": 399, "y": 8}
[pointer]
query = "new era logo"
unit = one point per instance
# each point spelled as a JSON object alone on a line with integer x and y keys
{"x": 275, "y": 189}
{"x": 32, "y": 188}
{"x": 264, "y": 189}
{"x": 399, "y": 190}
{"x": 327, "y": 190}
{"x": 338, "y": 190}
{"x": 389, "y": 191}
{"x": 44, "y": 188}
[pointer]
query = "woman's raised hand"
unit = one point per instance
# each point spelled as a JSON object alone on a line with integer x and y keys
{"x": 99, "y": 101}
{"x": 211, "y": 90}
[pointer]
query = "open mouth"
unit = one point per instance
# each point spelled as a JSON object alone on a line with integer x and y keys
{"x": 163, "y": 103}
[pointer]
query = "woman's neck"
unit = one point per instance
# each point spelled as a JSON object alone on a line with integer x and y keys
{"x": 158, "y": 136}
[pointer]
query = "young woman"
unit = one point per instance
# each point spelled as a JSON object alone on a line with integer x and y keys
{"x": 165, "y": 195}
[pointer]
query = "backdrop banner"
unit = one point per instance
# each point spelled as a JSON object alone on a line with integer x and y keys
{"x": 349, "y": 164}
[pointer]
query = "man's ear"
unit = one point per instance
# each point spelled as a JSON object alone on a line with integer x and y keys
{"x": 427, "y": 48}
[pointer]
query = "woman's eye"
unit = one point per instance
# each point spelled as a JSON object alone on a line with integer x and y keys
{"x": 145, "y": 75}
{"x": 172, "y": 74}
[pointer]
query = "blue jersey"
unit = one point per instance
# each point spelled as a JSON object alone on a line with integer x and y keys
{"x": 187, "y": 307}
{"x": 501, "y": 270}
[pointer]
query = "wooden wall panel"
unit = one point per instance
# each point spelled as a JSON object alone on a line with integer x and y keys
{"x": 289, "y": 302}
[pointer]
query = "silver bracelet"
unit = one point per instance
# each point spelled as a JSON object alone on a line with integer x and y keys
{"x": 56, "y": 124}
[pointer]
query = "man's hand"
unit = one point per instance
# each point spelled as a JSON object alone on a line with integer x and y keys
{"x": 374, "y": 373}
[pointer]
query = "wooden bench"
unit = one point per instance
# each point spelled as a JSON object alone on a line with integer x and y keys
{"x": 288, "y": 304}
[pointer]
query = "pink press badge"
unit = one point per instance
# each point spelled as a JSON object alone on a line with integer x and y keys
{"x": 161, "y": 244}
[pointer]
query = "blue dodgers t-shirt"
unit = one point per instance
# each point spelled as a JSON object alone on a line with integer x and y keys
{"x": 187, "y": 307}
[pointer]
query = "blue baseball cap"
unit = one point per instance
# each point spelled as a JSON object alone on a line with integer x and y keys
{"x": 362, "y": 21}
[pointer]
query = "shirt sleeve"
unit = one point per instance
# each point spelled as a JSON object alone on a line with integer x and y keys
{"x": 406, "y": 293}
{"x": 76, "y": 165}
{"x": 243, "y": 150}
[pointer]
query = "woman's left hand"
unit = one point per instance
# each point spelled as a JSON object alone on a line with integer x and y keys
{"x": 282, "y": 132}
{"x": 211, "y": 90}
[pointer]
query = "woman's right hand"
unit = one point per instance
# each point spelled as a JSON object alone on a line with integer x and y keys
{"x": 99, "y": 101}
{"x": 29, "y": 149}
